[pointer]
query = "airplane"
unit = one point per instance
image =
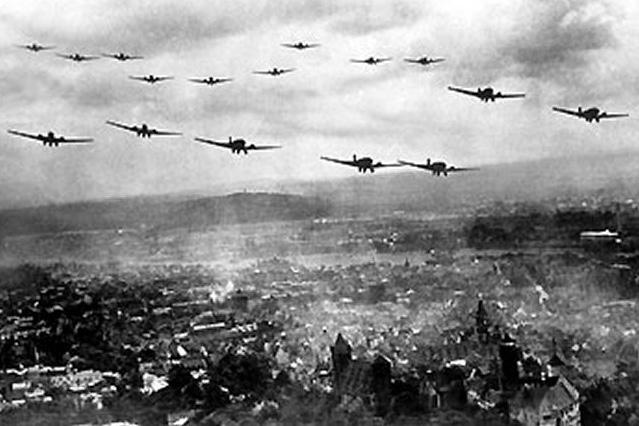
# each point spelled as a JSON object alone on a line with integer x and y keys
{"x": 151, "y": 79}
{"x": 300, "y": 45}
{"x": 76, "y": 57}
{"x": 143, "y": 130}
{"x": 210, "y": 80}
{"x": 362, "y": 164}
{"x": 370, "y": 61}
{"x": 50, "y": 138}
{"x": 275, "y": 71}
{"x": 121, "y": 56}
{"x": 237, "y": 146}
{"x": 437, "y": 168}
{"x": 35, "y": 47}
{"x": 487, "y": 94}
{"x": 424, "y": 60}
{"x": 589, "y": 114}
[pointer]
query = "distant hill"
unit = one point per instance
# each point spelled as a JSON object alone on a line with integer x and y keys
{"x": 160, "y": 212}
{"x": 613, "y": 177}
{"x": 610, "y": 177}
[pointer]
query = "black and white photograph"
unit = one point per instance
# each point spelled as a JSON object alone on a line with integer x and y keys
{"x": 319, "y": 212}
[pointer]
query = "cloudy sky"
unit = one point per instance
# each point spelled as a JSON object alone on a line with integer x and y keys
{"x": 560, "y": 52}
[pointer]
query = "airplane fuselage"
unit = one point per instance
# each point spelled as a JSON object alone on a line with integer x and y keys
{"x": 50, "y": 139}
{"x": 438, "y": 168}
{"x": 364, "y": 164}
{"x": 590, "y": 114}
{"x": 487, "y": 94}
{"x": 142, "y": 131}
{"x": 238, "y": 146}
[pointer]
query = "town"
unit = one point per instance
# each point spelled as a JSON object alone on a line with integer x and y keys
{"x": 446, "y": 336}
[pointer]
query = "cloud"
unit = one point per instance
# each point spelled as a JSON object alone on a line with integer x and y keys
{"x": 367, "y": 17}
{"x": 554, "y": 40}
{"x": 560, "y": 51}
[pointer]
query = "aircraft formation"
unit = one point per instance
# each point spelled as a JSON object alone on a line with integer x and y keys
{"x": 239, "y": 146}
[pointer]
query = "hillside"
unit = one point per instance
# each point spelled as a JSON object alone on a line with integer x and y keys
{"x": 610, "y": 177}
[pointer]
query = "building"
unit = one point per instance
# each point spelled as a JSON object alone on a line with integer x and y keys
{"x": 553, "y": 402}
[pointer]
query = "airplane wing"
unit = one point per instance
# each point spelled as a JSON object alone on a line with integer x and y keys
{"x": 408, "y": 163}
{"x": 25, "y": 135}
{"x": 566, "y": 111}
{"x": 377, "y": 165}
{"x": 510, "y": 95}
{"x": 122, "y": 126}
{"x": 116, "y": 56}
{"x": 436, "y": 60}
{"x": 210, "y": 142}
{"x": 292, "y": 46}
{"x": 452, "y": 169}
{"x": 73, "y": 140}
{"x": 198, "y": 80}
{"x": 62, "y": 55}
{"x": 464, "y": 91}
{"x": 133, "y": 77}
{"x": 262, "y": 147}
{"x": 30, "y": 47}
{"x": 163, "y": 78}
{"x": 287, "y": 70}
{"x": 164, "y": 133}
{"x": 384, "y": 60}
{"x": 89, "y": 58}
{"x": 606, "y": 115}
{"x": 359, "y": 61}
{"x": 412, "y": 61}
{"x": 334, "y": 160}
{"x": 263, "y": 72}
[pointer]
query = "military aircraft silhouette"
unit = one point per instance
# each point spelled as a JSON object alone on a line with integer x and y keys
{"x": 151, "y": 79}
{"x": 362, "y": 164}
{"x": 300, "y": 45}
{"x": 487, "y": 94}
{"x": 275, "y": 71}
{"x": 237, "y": 146}
{"x": 143, "y": 130}
{"x": 424, "y": 60}
{"x": 210, "y": 80}
{"x": 437, "y": 168}
{"x": 50, "y": 138}
{"x": 35, "y": 47}
{"x": 371, "y": 60}
{"x": 589, "y": 114}
{"x": 121, "y": 56}
{"x": 76, "y": 57}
